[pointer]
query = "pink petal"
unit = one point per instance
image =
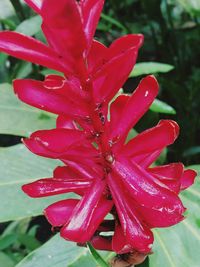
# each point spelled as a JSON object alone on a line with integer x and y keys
{"x": 152, "y": 195}
{"x": 151, "y": 140}
{"x": 91, "y": 11}
{"x": 188, "y": 179}
{"x": 59, "y": 213}
{"x": 30, "y": 49}
{"x": 35, "y": 94}
{"x": 35, "y": 4}
{"x": 137, "y": 235}
{"x": 53, "y": 143}
{"x": 132, "y": 112}
{"x": 88, "y": 214}
{"x": 51, "y": 186}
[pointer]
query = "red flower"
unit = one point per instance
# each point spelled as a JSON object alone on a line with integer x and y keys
{"x": 109, "y": 175}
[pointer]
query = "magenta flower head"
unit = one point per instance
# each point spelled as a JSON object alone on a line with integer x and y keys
{"x": 110, "y": 175}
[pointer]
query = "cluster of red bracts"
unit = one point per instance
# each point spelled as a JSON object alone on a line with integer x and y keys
{"x": 109, "y": 175}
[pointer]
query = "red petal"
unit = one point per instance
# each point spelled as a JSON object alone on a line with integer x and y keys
{"x": 53, "y": 143}
{"x": 67, "y": 172}
{"x": 151, "y": 140}
{"x": 91, "y": 11}
{"x": 35, "y": 4}
{"x": 65, "y": 122}
{"x": 101, "y": 243}
{"x": 173, "y": 171}
{"x": 59, "y": 213}
{"x": 116, "y": 108}
{"x": 88, "y": 215}
{"x": 91, "y": 171}
{"x": 136, "y": 234}
{"x": 50, "y": 186}
{"x": 145, "y": 160}
{"x": 35, "y": 94}
{"x": 30, "y": 49}
{"x": 187, "y": 179}
{"x": 119, "y": 243}
{"x": 132, "y": 112}
{"x": 124, "y": 43}
{"x": 64, "y": 29}
{"x": 170, "y": 175}
{"x": 153, "y": 196}
{"x": 113, "y": 75}
{"x": 96, "y": 56}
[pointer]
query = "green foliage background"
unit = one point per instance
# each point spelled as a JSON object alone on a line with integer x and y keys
{"x": 171, "y": 52}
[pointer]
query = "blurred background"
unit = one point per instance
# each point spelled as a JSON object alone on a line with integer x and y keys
{"x": 171, "y": 52}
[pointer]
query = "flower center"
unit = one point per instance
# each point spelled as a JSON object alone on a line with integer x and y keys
{"x": 109, "y": 158}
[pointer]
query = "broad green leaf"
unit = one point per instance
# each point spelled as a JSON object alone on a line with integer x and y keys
{"x": 17, "y": 118}
{"x": 6, "y": 9}
{"x": 5, "y": 260}
{"x": 191, "y": 6}
{"x": 162, "y": 107}
{"x": 30, "y": 26}
{"x": 145, "y": 68}
{"x": 84, "y": 261}
{"x": 179, "y": 245}
{"x": 19, "y": 166}
{"x": 55, "y": 253}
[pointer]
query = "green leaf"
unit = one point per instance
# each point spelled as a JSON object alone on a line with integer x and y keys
{"x": 5, "y": 260}
{"x": 132, "y": 133}
{"x": 23, "y": 70}
{"x": 17, "y": 118}
{"x": 145, "y": 68}
{"x": 162, "y": 107}
{"x": 97, "y": 257}
{"x": 191, "y": 151}
{"x": 179, "y": 245}
{"x": 30, "y": 242}
{"x": 113, "y": 22}
{"x": 19, "y": 166}
{"x": 84, "y": 261}
{"x": 6, "y": 9}
{"x": 49, "y": 72}
{"x": 191, "y": 6}
{"x": 30, "y": 26}
{"x": 55, "y": 253}
{"x": 7, "y": 240}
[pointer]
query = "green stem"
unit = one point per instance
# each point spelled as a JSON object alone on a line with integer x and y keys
{"x": 97, "y": 257}
{"x": 18, "y": 9}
